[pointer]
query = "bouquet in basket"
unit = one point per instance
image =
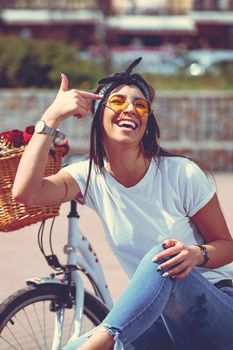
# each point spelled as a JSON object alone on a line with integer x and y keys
{"x": 15, "y": 215}
{"x": 15, "y": 140}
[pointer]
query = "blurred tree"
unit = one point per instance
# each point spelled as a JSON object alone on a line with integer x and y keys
{"x": 38, "y": 63}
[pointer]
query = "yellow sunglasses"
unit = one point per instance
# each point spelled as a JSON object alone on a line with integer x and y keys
{"x": 118, "y": 103}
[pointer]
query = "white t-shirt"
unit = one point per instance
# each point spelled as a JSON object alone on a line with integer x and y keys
{"x": 159, "y": 207}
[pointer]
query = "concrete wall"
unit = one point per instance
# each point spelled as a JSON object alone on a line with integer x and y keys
{"x": 198, "y": 124}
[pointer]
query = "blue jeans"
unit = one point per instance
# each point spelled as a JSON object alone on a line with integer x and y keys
{"x": 157, "y": 313}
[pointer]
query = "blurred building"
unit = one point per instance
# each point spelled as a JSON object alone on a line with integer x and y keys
{"x": 193, "y": 23}
{"x": 134, "y": 28}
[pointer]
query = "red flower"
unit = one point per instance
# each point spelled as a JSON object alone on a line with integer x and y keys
{"x": 27, "y": 134}
{"x": 15, "y": 137}
{"x": 18, "y": 138}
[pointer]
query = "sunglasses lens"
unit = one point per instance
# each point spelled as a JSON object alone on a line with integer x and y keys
{"x": 142, "y": 107}
{"x": 118, "y": 103}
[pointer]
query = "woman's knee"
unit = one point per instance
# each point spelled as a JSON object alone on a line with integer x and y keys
{"x": 148, "y": 257}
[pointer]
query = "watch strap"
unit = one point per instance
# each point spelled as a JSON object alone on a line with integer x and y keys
{"x": 49, "y": 131}
{"x": 204, "y": 253}
{"x": 57, "y": 135}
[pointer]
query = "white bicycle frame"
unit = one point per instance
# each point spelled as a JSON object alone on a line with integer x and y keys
{"x": 80, "y": 253}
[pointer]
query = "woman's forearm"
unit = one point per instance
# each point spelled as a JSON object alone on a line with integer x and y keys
{"x": 220, "y": 252}
{"x": 28, "y": 180}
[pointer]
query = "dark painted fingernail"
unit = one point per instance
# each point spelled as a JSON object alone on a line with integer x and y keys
{"x": 164, "y": 245}
{"x": 159, "y": 268}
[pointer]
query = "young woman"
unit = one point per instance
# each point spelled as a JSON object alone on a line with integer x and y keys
{"x": 160, "y": 213}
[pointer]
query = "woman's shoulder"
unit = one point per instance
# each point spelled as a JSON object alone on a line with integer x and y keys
{"x": 176, "y": 162}
{"x": 178, "y": 167}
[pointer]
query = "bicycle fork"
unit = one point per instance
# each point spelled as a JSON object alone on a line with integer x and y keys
{"x": 78, "y": 312}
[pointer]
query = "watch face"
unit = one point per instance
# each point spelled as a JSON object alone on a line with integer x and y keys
{"x": 39, "y": 127}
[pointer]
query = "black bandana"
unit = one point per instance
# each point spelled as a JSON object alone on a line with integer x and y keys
{"x": 119, "y": 79}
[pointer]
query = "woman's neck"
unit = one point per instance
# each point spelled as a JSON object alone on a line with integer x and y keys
{"x": 127, "y": 167}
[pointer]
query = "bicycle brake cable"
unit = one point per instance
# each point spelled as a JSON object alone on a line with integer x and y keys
{"x": 40, "y": 237}
{"x": 50, "y": 236}
{"x": 51, "y": 259}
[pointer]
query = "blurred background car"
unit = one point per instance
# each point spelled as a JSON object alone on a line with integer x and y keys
{"x": 202, "y": 61}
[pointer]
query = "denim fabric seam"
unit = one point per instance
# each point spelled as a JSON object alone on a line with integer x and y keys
{"x": 153, "y": 299}
{"x": 115, "y": 333}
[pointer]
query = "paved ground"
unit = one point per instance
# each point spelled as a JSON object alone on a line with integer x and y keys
{"x": 20, "y": 257}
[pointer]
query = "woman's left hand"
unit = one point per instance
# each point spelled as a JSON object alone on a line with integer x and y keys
{"x": 181, "y": 259}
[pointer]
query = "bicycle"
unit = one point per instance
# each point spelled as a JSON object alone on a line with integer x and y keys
{"x": 26, "y": 316}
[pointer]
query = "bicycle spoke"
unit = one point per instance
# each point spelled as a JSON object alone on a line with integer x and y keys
{"x": 28, "y": 333}
{"x": 40, "y": 326}
{"x": 13, "y": 336}
{"x": 33, "y": 335}
{"x": 8, "y": 343}
{"x": 44, "y": 323}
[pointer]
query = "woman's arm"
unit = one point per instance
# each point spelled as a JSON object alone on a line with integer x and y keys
{"x": 218, "y": 242}
{"x": 30, "y": 186}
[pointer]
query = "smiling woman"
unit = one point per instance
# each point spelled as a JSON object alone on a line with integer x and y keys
{"x": 123, "y": 117}
{"x": 123, "y": 130}
{"x": 160, "y": 213}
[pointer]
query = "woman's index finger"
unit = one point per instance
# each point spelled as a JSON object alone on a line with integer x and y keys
{"x": 90, "y": 95}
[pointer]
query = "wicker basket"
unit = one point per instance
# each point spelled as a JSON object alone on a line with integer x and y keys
{"x": 14, "y": 215}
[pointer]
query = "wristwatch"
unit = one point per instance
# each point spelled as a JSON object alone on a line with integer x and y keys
{"x": 42, "y": 128}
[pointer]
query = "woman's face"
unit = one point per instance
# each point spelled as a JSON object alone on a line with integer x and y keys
{"x": 125, "y": 116}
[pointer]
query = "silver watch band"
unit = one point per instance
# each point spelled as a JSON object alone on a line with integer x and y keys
{"x": 42, "y": 128}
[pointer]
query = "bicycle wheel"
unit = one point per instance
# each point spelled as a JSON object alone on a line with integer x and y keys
{"x": 27, "y": 317}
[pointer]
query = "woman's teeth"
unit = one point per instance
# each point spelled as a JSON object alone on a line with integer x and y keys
{"x": 127, "y": 124}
